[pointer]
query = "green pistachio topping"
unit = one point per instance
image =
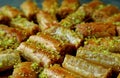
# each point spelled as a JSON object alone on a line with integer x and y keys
{"x": 1, "y": 64}
{"x": 34, "y": 66}
{"x": 43, "y": 75}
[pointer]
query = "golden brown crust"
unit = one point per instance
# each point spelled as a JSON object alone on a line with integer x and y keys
{"x": 24, "y": 70}
{"x": 23, "y": 24}
{"x": 108, "y": 43}
{"x": 10, "y": 11}
{"x": 96, "y": 29}
{"x": 90, "y": 7}
{"x": 83, "y": 13}
{"x": 67, "y": 7}
{"x": 53, "y": 44}
{"x": 29, "y": 8}
{"x": 46, "y": 40}
{"x": 45, "y": 20}
{"x": 85, "y": 68}
{"x": 57, "y": 71}
{"x": 114, "y": 18}
{"x": 37, "y": 54}
{"x": 103, "y": 57}
{"x": 13, "y": 32}
{"x": 101, "y": 15}
{"x": 9, "y": 58}
{"x": 50, "y": 6}
{"x": 52, "y": 38}
{"x": 65, "y": 35}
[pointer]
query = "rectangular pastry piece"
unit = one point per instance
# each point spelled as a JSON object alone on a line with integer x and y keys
{"x": 56, "y": 71}
{"x": 36, "y": 52}
{"x": 101, "y": 14}
{"x": 96, "y": 29}
{"x": 11, "y": 37}
{"x": 103, "y": 57}
{"x": 80, "y": 14}
{"x": 85, "y": 68}
{"x": 53, "y": 44}
{"x": 50, "y": 6}
{"x": 8, "y": 58}
{"x": 25, "y": 70}
{"x": 108, "y": 43}
{"x": 45, "y": 19}
{"x": 114, "y": 19}
{"x": 66, "y": 35}
{"x": 67, "y": 7}
{"x": 29, "y": 9}
{"x": 11, "y": 11}
{"x": 72, "y": 19}
{"x": 22, "y": 23}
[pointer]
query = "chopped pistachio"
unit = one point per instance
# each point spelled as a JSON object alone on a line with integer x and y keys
{"x": 105, "y": 52}
{"x": 74, "y": 18}
{"x": 1, "y": 64}
{"x": 101, "y": 6}
{"x": 117, "y": 23}
{"x": 34, "y": 66}
{"x": 2, "y": 33}
{"x": 23, "y": 22}
{"x": 43, "y": 75}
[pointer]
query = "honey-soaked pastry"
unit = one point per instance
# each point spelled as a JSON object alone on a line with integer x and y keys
{"x": 45, "y": 20}
{"x": 51, "y": 43}
{"x": 100, "y": 15}
{"x": 66, "y": 35}
{"x": 103, "y": 57}
{"x": 96, "y": 29}
{"x": 25, "y": 70}
{"x": 60, "y": 39}
{"x": 9, "y": 58}
{"x": 108, "y": 43}
{"x": 73, "y": 19}
{"x": 56, "y": 71}
{"x": 29, "y": 9}
{"x": 11, "y": 32}
{"x": 90, "y": 7}
{"x": 67, "y": 7}
{"x": 11, "y": 37}
{"x": 37, "y": 53}
{"x": 80, "y": 14}
{"x": 85, "y": 68}
{"x": 22, "y": 23}
{"x": 11, "y": 11}
{"x": 50, "y": 6}
{"x": 114, "y": 19}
